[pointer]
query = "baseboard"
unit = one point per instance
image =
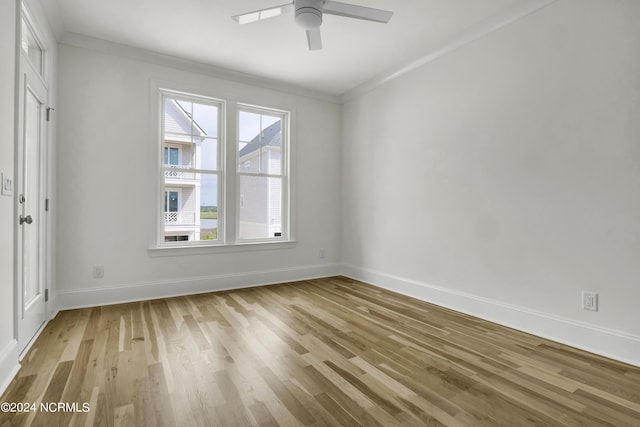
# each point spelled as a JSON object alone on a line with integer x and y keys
{"x": 9, "y": 365}
{"x": 91, "y": 297}
{"x": 613, "y": 344}
{"x": 52, "y": 306}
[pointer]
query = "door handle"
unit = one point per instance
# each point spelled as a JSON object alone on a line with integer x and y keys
{"x": 26, "y": 219}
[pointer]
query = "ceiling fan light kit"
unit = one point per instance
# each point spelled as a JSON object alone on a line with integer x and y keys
{"x": 308, "y": 15}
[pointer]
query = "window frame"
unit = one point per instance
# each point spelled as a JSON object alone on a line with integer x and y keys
{"x": 26, "y": 23}
{"x": 162, "y": 168}
{"x": 228, "y": 174}
{"x": 285, "y": 117}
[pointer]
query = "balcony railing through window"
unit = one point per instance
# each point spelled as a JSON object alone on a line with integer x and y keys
{"x": 180, "y": 218}
{"x": 179, "y": 172}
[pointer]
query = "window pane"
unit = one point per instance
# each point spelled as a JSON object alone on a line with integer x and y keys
{"x": 271, "y": 142}
{"x": 177, "y": 123}
{"x": 249, "y": 158}
{"x": 249, "y": 124}
{"x": 31, "y": 48}
{"x": 192, "y": 210}
{"x": 205, "y": 120}
{"x": 207, "y": 154}
{"x": 186, "y": 109}
{"x": 268, "y": 121}
{"x": 260, "y": 207}
{"x": 264, "y": 157}
{"x": 209, "y": 208}
{"x": 174, "y": 156}
{"x": 264, "y": 160}
{"x": 173, "y": 201}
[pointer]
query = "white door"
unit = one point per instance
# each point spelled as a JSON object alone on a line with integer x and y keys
{"x": 31, "y": 234}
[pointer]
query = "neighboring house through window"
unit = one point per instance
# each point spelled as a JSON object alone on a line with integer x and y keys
{"x": 197, "y": 188}
{"x": 187, "y": 164}
{"x": 261, "y": 174}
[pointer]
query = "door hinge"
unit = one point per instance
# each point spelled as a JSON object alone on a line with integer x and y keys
{"x": 46, "y": 205}
{"x": 49, "y": 110}
{"x": 46, "y": 295}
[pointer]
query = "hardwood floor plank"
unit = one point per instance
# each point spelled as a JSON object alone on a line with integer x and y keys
{"x": 323, "y": 352}
{"x": 343, "y": 398}
{"x": 361, "y": 386}
{"x": 150, "y": 331}
{"x": 286, "y": 397}
{"x": 124, "y": 416}
{"x": 341, "y": 416}
{"x": 262, "y": 415}
{"x": 196, "y": 333}
{"x": 162, "y": 405}
{"x": 232, "y": 410}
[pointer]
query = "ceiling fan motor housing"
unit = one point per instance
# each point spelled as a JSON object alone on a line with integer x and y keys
{"x": 309, "y": 13}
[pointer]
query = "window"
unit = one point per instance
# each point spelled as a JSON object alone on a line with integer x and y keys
{"x": 171, "y": 156}
{"x": 32, "y": 47}
{"x": 190, "y": 168}
{"x": 171, "y": 206}
{"x": 217, "y": 191}
{"x": 261, "y": 175}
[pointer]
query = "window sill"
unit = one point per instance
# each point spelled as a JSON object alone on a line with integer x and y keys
{"x": 177, "y": 250}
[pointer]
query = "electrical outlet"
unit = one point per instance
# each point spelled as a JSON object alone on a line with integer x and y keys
{"x": 590, "y": 301}
{"x": 323, "y": 254}
{"x": 98, "y": 271}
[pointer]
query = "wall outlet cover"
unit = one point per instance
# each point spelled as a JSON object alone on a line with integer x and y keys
{"x": 590, "y": 301}
{"x": 98, "y": 271}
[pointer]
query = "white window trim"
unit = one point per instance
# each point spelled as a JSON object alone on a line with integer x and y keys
{"x": 285, "y": 174}
{"x": 228, "y": 123}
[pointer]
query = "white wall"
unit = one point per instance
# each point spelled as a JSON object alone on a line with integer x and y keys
{"x": 107, "y": 185}
{"x": 7, "y": 117}
{"x": 503, "y": 178}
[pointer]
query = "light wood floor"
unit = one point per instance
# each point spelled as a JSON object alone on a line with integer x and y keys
{"x": 320, "y": 352}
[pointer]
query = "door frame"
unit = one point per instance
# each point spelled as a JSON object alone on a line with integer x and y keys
{"x": 42, "y": 220}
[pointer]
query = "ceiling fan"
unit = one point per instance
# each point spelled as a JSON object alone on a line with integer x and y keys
{"x": 308, "y": 14}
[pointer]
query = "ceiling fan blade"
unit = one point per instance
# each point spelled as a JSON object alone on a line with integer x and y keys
{"x": 314, "y": 39}
{"x": 261, "y": 14}
{"x": 355, "y": 11}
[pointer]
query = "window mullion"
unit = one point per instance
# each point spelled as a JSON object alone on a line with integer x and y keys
{"x": 231, "y": 173}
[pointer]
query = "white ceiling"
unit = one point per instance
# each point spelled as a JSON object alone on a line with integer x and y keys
{"x": 202, "y": 30}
